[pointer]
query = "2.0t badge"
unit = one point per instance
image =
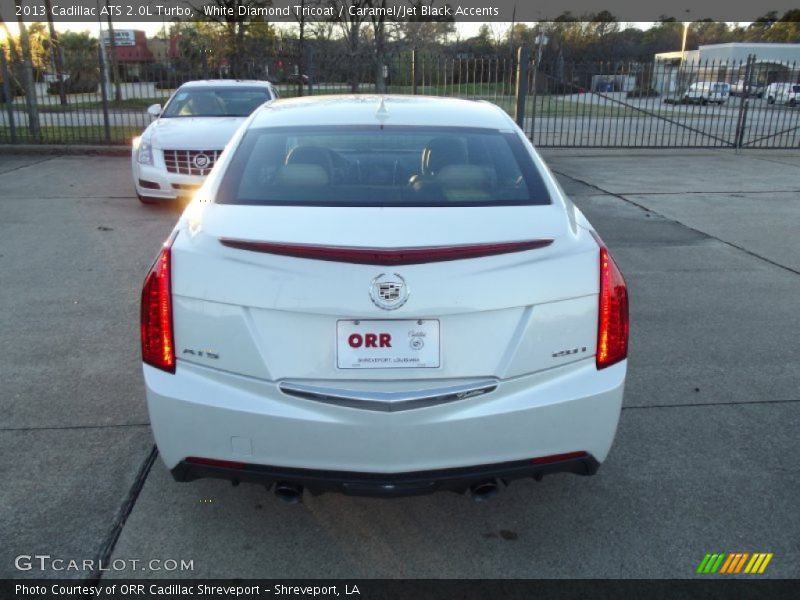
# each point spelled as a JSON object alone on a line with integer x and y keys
{"x": 388, "y": 292}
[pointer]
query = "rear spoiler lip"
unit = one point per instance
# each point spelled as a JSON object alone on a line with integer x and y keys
{"x": 415, "y": 255}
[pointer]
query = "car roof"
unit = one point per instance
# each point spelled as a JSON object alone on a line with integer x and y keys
{"x": 226, "y": 83}
{"x": 370, "y": 109}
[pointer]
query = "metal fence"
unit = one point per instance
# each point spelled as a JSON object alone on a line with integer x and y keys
{"x": 747, "y": 104}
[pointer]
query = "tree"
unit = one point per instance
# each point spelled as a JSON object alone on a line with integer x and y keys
{"x": 55, "y": 52}
{"x": 350, "y": 25}
{"x": 233, "y": 29}
{"x": 80, "y": 62}
{"x": 425, "y": 32}
{"x": 27, "y": 77}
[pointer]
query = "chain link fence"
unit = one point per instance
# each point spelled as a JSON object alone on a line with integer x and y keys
{"x": 674, "y": 104}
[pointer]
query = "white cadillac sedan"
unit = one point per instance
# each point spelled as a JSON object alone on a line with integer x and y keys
{"x": 177, "y": 150}
{"x": 383, "y": 296}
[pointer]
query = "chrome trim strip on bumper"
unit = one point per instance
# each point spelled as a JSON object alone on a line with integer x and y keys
{"x": 388, "y": 401}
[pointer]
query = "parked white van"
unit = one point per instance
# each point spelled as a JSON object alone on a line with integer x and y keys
{"x": 788, "y": 93}
{"x": 708, "y": 91}
{"x": 774, "y": 90}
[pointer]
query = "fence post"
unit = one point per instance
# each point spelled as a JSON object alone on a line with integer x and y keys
{"x": 523, "y": 54}
{"x": 414, "y": 70}
{"x": 744, "y": 102}
{"x": 104, "y": 95}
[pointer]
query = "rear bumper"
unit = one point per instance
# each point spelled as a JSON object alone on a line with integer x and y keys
{"x": 211, "y": 414}
{"x": 387, "y": 485}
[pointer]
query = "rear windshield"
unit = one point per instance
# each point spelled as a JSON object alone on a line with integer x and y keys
{"x": 381, "y": 166}
{"x": 216, "y": 101}
{"x": 721, "y": 87}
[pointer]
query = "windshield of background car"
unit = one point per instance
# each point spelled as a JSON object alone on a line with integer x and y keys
{"x": 721, "y": 88}
{"x": 379, "y": 165}
{"x": 216, "y": 102}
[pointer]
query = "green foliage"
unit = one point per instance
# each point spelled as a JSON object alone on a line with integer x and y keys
{"x": 80, "y": 63}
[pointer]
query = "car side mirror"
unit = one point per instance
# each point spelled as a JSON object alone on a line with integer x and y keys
{"x": 154, "y": 110}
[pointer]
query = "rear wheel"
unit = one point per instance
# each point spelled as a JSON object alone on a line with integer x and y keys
{"x": 792, "y": 102}
{"x": 770, "y": 100}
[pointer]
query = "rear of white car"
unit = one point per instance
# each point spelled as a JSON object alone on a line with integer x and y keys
{"x": 368, "y": 296}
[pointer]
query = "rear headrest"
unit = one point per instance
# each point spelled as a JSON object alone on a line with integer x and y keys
{"x": 309, "y": 155}
{"x": 302, "y": 175}
{"x": 443, "y": 151}
{"x": 465, "y": 183}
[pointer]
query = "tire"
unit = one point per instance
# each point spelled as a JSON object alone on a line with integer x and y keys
{"x": 703, "y": 101}
{"x": 770, "y": 100}
{"x": 148, "y": 199}
{"x": 792, "y": 103}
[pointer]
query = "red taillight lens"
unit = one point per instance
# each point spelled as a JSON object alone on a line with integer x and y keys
{"x": 612, "y": 328}
{"x": 158, "y": 346}
{"x": 554, "y": 458}
{"x": 213, "y": 462}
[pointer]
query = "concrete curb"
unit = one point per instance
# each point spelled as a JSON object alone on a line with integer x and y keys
{"x": 64, "y": 149}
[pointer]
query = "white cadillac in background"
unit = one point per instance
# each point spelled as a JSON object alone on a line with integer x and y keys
{"x": 386, "y": 296}
{"x": 177, "y": 150}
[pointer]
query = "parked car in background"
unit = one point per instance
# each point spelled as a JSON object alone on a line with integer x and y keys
{"x": 775, "y": 89}
{"x": 788, "y": 94}
{"x": 384, "y": 296}
{"x": 740, "y": 88}
{"x": 177, "y": 150}
{"x": 703, "y": 92}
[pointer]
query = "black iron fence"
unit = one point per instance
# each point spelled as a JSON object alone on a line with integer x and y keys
{"x": 678, "y": 104}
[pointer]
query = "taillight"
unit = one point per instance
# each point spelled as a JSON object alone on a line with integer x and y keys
{"x": 158, "y": 346}
{"x": 554, "y": 458}
{"x": 612, "y": 326}
{"x": 213, "y": 462}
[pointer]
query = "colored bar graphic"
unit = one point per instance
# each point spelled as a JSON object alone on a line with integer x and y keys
{"x": 717, "y": 563}
{"x": 755, "y": 562}
{"x": 728, "y": 562}
{"x": 740, "y": 564}
{"x": 703, "y": 563}
{"x": 764, "y": 564}
{"x": 733, "y": 562}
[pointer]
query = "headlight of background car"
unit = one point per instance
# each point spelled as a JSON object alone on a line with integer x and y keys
{"x": 145, "y": 154}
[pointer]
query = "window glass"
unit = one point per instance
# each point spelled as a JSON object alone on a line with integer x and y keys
{"x": 381, "y": 166}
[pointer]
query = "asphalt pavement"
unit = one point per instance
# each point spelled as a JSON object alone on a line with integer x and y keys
{"x": 704, "y": 460}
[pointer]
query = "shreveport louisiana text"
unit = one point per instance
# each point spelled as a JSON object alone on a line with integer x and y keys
{"x": 177, "y": 589}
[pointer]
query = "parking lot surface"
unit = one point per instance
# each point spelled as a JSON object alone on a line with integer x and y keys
{"x": 704, "y": 460}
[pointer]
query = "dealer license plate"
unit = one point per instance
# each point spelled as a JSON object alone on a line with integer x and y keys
{"x": 387, "y": 344}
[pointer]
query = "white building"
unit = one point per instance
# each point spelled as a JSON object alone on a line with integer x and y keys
{"x": 674, "y": 71}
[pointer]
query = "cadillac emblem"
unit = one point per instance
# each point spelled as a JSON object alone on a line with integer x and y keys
{"x": 388, "y": 292}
